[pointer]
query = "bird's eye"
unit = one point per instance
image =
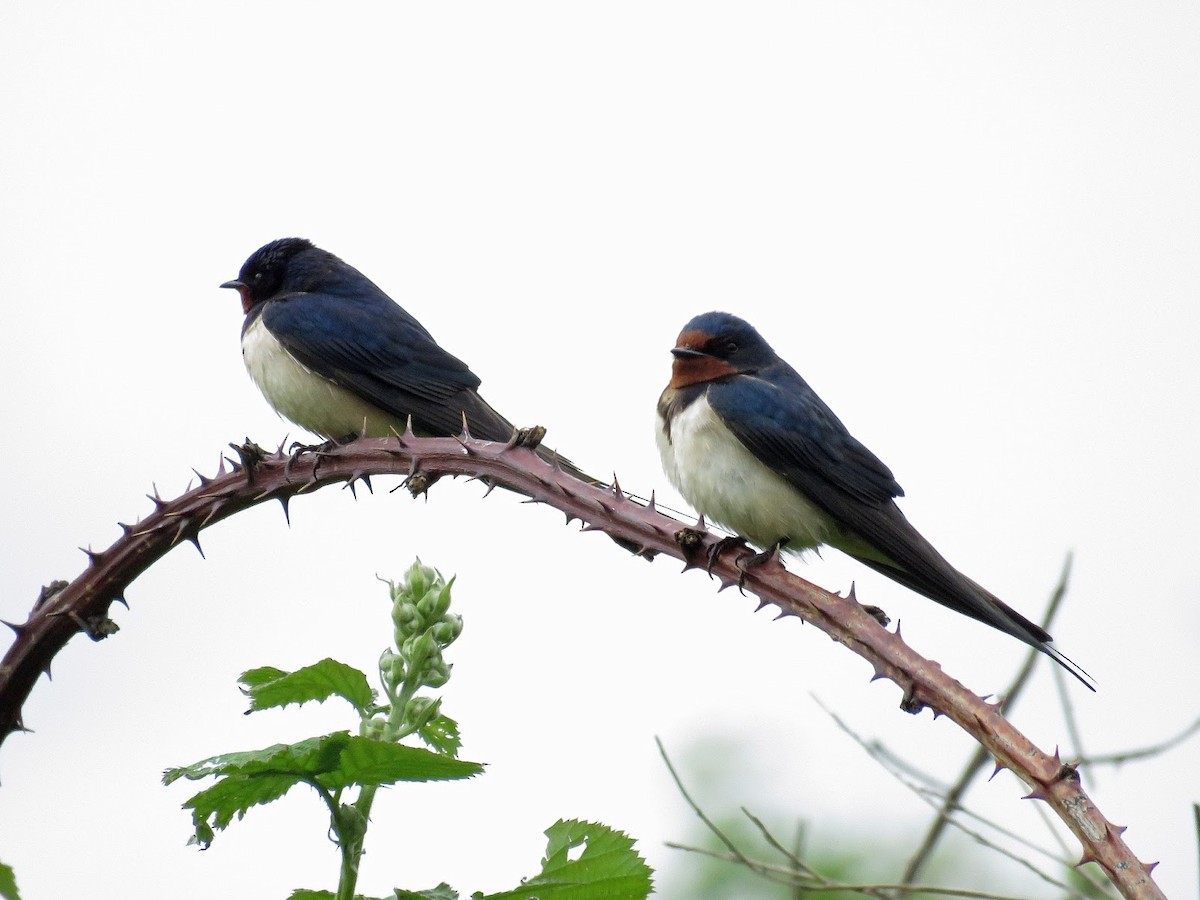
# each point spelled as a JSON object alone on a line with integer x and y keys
{"x": 729, "y": 347}
{"x": 258, "y": 276}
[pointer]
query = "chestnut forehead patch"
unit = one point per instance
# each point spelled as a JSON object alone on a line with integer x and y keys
{"x": 693, "y": 340}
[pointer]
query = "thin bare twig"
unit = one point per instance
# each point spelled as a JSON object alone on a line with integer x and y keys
{"x": 1196, "y": 816}
{"x": 1074, "y": 734}
{"x": 1124, "y": 756}
{"x": 950, "y": 819}
{"x": 708, "y": 823}
{"x": 797, "y": 852}
{"x": 871, "y": 890}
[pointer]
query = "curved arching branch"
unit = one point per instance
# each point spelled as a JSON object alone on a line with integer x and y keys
{"x": 65, "y": 609}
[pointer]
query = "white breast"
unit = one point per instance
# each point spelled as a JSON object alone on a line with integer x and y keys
{"x": 297, "y": 393}
{"x": 723, "y": 480}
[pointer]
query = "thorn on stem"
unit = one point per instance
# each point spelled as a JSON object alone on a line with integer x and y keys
{"x": 356, "y": 475}
{"x": 188, "y": 532}
{"x": 212, "y": 513}
{"x": 1087, "y": 857}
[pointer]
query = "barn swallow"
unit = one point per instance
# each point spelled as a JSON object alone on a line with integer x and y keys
{"x": 751, "y": 446}
{"x": 336, "y": 355}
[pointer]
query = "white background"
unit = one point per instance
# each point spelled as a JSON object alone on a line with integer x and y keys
{"x": 973, "y": 227}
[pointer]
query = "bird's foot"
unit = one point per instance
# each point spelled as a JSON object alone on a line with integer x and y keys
{"x": 726, "y": 543}
{"x": 877, "y": 614}
{"x": 873, "y": 611}
{"x": 297, "y": 450}
{"x": 746, "y": 563}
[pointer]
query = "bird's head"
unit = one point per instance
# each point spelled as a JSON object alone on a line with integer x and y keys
{"x": 276, "y": 268}
{"x": 716, "y": 345}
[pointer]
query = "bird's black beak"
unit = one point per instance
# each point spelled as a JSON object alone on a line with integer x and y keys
{"x": 235, "y": 284}
{"x": 687, "y": 353}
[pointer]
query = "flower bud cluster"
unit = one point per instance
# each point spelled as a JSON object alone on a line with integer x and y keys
{"x": 423, "y": 628}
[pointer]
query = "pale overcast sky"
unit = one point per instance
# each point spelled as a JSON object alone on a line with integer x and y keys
{"x": 973, "y": 227}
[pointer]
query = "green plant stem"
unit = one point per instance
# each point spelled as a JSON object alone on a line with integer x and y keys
{"x": 349, "y": 846}
{"x": 352, "y": 849}
{"x": 351, "y": 854}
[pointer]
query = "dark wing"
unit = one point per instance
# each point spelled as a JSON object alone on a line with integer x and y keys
{"x": 791, "y": 430}
{"x": 369, "y": 345}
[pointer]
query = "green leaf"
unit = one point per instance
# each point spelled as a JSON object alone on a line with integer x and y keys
{"x": 442, "y": 892}
{"x": 441, "y": 733}
{"x": 268, "y": 687}
{"x": 253, "y": 777}
{"x": 333, "y": 761}
{"x": 364, "y": 761}
{"x": 8, "y": 883}
{"x": 608, "y": 868}
{"x": 336, "y": 760}
{"x": 233, "y": 796}
{"x": 306, "y": 758}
